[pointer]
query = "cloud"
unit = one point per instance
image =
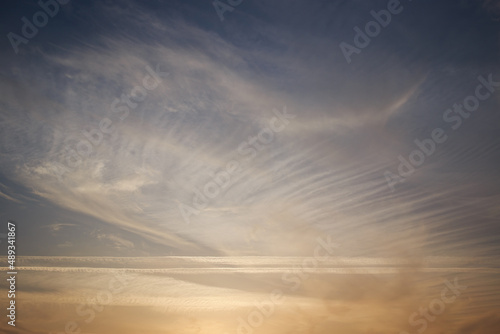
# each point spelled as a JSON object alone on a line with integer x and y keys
{"x": 322, "y": 175}
{"x": 7, "y": 197}
{"x": 207, "y": 287}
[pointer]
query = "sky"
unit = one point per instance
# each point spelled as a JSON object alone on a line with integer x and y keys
{"x": 249, "y": 166}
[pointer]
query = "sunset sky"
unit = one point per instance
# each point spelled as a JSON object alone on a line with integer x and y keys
{"x": 249, "y": 166}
